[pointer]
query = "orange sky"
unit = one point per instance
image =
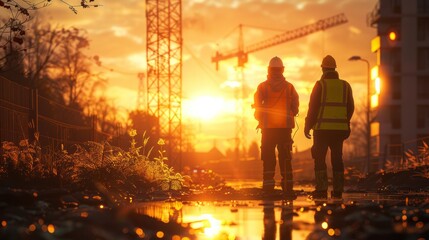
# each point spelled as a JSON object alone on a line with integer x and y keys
{"x": 117, "y": 31}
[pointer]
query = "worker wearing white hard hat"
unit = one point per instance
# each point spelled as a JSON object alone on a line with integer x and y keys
{"x": 276, "y": 104}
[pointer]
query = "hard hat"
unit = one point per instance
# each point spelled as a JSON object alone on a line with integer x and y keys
{"x": 276, "y": 62}
{"x": 328, "y": 62}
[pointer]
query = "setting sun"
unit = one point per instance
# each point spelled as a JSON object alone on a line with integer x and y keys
{"x": 206, "y": 107}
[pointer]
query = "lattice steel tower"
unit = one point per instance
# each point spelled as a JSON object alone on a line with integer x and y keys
{"x": 164, "y": 71}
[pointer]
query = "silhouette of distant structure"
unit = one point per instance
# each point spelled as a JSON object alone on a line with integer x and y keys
{"x": 198, "y": 159}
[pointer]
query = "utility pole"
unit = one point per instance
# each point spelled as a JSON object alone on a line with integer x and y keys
{"x": 368, "y": 111}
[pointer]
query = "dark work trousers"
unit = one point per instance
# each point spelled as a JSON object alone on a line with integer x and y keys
{"x": 332, "y": 139}
{"x": 279, "y": 138}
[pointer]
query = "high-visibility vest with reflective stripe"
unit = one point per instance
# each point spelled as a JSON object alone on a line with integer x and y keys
{"x": 333, "y": 107}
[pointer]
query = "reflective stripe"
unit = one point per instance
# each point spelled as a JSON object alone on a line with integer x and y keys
{"x": 333, "y": 108}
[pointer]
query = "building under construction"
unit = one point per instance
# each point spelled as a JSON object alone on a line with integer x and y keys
{"x": 400, "y": 80}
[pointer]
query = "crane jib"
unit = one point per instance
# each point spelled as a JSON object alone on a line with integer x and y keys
{"x": 290, "y": 35}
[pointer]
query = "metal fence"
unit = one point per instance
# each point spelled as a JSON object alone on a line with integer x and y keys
{"x": 14, "y": 110}
{"x": 23, "y": 111}
{"x": 407, "y": 154}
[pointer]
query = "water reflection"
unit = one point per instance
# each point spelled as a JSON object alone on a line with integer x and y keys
{"x": 323, "y": 221}
{"x": 358, "y": 216}
{"x": 269, "y": 222}
{"x": 285, "y": 223}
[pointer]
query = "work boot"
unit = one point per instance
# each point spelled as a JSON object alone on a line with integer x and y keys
{"x": 321, "y": 180}
{"x": 336, "y": 195}
{"x": 268, "y": 191}
{"x": 289, "y": 195}
{"x": 318, "y": 195}
{"x": 338, "y": 181}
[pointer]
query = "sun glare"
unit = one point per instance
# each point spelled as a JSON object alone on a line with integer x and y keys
{"x": 205, "y": 107}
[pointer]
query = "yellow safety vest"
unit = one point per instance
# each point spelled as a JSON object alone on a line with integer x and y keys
{"x": 333, "y": 108}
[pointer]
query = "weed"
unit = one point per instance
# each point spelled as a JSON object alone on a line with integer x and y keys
{"x": 91, "y": 163}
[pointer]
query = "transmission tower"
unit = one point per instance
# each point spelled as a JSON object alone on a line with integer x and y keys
{"x": 164, "y": 72}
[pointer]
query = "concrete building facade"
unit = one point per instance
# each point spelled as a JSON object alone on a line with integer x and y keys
{"x": 399, "y": 116}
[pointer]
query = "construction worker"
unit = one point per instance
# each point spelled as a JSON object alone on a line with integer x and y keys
{"x": 276, "y": 104}
{"x": 330, "y": 110}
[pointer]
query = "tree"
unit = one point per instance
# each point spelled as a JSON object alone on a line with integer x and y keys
{"x": 253, "y": 151}
{"x": 73, "y": 69}
{"x": 355, "y": 145}
{"x": 106, "y": 113}
{"x": 145, "y": 125}
{"x": 14, "y": 14}
{"x": 143, "y": 122}
{"x": 13, "y": 67}
{"x": 41, "y": 44}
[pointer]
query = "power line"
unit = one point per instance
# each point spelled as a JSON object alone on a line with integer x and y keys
{"x": 205, "y": 67}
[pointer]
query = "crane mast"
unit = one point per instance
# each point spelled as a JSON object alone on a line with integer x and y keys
{"x": 164, "y": 72}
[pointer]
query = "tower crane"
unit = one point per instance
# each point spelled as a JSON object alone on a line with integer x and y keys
{"x": 242, "y": 55}
{"x": 242, "y": 52}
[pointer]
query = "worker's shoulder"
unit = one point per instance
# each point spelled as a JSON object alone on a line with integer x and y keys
{"x": 262, "y": 84}
{"x": 289, "y": 84}
{"x": 345, "y": 82}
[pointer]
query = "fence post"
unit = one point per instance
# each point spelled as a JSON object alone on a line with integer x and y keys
{"x": 33, "y": 115}
{"x": 384, "y": 160}
{"x": 403, "y": 155}
{"x": 36, "y": 127}
{"x": 94, "y": 120}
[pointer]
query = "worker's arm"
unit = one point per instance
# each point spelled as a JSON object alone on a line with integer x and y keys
{"x": 295, "y": 102}
{"x": 257, "y": 102}
{"x": 313, "y": 109}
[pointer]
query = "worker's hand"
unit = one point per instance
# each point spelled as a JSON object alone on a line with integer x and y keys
{"x": 307, "y": 133}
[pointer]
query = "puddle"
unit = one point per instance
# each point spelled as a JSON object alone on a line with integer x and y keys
{"x": 237, "y": 219}
{"x": 300, "y": 219}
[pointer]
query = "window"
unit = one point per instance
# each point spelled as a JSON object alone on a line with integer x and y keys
{"x": 422, "y": 29}
{"x": 396, "y": 6}
{"x": 423, "y": 87}
{"x": 422, "y": 58}
{"x": 395, "y": 116}
{"x": 396, "y": 87}
{"x": 395, "y": 147}
{"x": 422, "y": 6}
{"x": 422, "y": 116}
{"x": 395, "y": 59}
